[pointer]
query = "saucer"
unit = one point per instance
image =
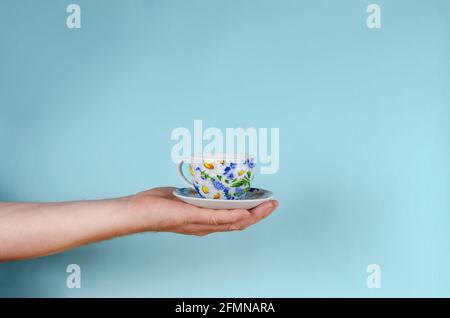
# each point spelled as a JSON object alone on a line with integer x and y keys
{"x": 253, "y": 198}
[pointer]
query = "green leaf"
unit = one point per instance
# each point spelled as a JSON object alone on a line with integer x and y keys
{"x": 249, "y": 174}
{"x": 219, "y": 177}
{"x": 238, "y": 183}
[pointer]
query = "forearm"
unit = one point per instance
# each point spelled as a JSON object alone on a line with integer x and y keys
{"x": 36, "y": 229}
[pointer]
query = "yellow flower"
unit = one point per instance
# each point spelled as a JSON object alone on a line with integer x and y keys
{"x": 220, "y": 161}
{"x": 208, "y": 165}
{"x": 191, "y": 171}
{"x": 205, "y": 190}
{"x": 241, "y": 172}
{"x": 216, "y": 196}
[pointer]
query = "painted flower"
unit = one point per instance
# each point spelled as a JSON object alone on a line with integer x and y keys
{"x": 227, "y": 194}
{"x": 218, "y": 185}
{"x": 198, "y": 169}
{"x": 217, "y": 195}
{"x": 208, "y": 165}
{"x": 250, "y": 163}
{"x": 241, "y": 172}
{"x": 228, "y": 172}
{"x": 205, "y": 190}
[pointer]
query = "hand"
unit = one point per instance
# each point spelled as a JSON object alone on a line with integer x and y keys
{"x": 159, "y": 210}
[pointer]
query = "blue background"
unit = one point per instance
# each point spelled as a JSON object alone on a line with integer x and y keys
{"x": 364, "y": 118}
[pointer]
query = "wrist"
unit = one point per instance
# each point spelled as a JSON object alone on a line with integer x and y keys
{"x": 138, "y": 209}
{"x": 118, "y": 217}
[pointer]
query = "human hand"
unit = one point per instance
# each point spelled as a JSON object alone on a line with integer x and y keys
{"x": 159, "y": 210}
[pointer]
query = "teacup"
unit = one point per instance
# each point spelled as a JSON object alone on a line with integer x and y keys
{"x": 220, "y": 176}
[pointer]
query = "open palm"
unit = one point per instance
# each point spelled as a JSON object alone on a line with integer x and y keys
{"x": 160, "y": 210}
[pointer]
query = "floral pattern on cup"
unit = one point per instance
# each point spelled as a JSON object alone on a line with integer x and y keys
{"x": 222, "y": 179}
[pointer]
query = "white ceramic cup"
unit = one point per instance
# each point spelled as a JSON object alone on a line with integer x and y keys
{"x": 220, "y": 176}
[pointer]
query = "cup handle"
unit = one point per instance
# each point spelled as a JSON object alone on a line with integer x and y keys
{"x": 182, "y": 177}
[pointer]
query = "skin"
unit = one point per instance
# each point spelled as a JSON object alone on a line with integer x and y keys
{"x": 29, "y": 230}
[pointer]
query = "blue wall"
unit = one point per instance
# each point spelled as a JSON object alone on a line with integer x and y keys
{"x": 364, "y": 118}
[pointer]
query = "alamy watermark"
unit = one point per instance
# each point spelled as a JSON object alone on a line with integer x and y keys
{"x": 373, "y": 21}
{"x": 73, "y": 280}
{"x": 374, "y": 278}
{"x": 73, "y": 20}
{"x": 263, "y": 144}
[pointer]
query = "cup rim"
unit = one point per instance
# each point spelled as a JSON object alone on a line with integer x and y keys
{"x": 227, "y": 156}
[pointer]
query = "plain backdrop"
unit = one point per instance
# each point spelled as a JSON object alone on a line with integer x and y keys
{"x": 364, "y": 118}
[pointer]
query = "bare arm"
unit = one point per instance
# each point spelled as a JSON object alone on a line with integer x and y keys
{"x": 35, "y": 229}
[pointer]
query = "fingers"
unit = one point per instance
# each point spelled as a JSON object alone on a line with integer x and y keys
{"x": 217, "y": 217}
{"x": 243, "y": 219}
{"x": 264, "y": 210}
{"x": 202, "y": 229}
{"x": 259, "y": 213}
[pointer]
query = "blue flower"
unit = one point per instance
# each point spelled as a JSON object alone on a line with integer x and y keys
{"x": 228, "y": 173}
{"x": 250, "y": 163}
{"x": 227, "y": 194}
{"x": 239, "y": 191}
{"x": 218, "y": 185}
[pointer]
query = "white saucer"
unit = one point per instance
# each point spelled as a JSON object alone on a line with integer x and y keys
{"x": 253, "y": 198}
